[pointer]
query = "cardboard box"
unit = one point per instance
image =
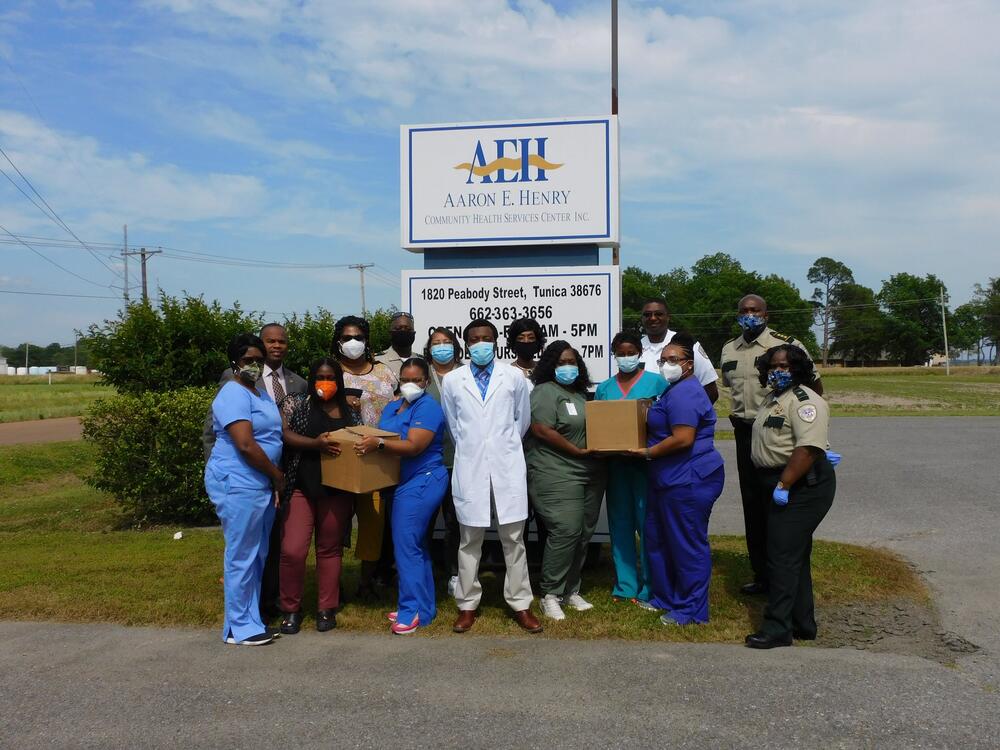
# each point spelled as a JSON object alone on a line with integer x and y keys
{"x": 617, "y": 425}
{"x": 359, "y": 474}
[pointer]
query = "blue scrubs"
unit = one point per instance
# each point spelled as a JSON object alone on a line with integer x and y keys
{"x": 627, "y": 497}
{"x": 243, "y": 501}
{"x": 423, "y": 480}
{"x": 683, "y": 487}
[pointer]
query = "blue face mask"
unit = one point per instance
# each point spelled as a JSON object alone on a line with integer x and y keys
{"x": 629, "y": 363}
{"x": 750, "y": 322}
{"x": 481, "y": 353}
{"x": 443, "y": 353}
{"x": 779, "y": 380}
{"x": 567, "y": 374}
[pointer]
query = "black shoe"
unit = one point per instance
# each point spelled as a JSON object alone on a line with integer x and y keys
{"x": 763, "y": 640}
{"x": 326, "y": 619}
{"x": 801, "y": 635}
{"x": 291, "y": 623}
{"x": 753, "y": 589}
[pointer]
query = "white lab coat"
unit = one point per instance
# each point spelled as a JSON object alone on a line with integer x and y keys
{"x": 488, "y": 434}
{"x": 704, "y": 370}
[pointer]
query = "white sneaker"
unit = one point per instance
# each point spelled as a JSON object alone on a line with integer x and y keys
{"x": 452, "y": 585}
{"x": 551, "y": 608}
{"x": 577, "y": 602}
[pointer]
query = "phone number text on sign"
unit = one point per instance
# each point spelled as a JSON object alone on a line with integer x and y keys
{"x": 580, "y": 305}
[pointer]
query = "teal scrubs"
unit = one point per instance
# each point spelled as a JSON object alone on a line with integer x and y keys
{"x": 627, "y": 497}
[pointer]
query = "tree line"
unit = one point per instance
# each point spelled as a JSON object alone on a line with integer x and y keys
{"x": 899, "y": 324}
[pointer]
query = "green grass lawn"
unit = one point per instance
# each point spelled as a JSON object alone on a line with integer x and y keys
{"x": 905, "y": 392}
{"x": 31, "y": 397}
{"x": 66, "y": 558}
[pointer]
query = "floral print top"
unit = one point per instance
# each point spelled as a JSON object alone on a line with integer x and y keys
{"x": 377, "y": 389}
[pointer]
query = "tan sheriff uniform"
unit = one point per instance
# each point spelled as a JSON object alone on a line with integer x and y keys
{"x": 739, "y": 370}
{"x": 793, "y": 419}
{"x": 796, "y": 418}
{"x": 739, "y": 375}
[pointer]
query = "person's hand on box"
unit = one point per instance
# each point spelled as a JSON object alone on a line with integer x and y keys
{"x": 367, "y": 444}
{"x": 325, "y": 444}
{"x": 640, "y": 453}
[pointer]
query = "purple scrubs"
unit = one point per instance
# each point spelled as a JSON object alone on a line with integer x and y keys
{"x": 683, "y": 487}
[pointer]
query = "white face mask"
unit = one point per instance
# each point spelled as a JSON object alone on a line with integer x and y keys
{"x": 352, "y": 349}
{"x": 671, "y": 372}
{"x": 411, "y": 391}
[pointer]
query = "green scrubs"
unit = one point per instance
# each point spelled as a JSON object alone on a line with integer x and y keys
{"x": 566, "y": 491}
{"x": 627, "y": 497}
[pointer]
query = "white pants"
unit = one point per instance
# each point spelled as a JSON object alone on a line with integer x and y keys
{"x": 516, "y": 585}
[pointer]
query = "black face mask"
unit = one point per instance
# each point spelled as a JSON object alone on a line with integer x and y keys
{"x": 525, "y": 349}
{"x": 402, "y": 339}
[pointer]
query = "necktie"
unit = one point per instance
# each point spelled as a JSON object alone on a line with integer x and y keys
{"x": 279, "y": 392}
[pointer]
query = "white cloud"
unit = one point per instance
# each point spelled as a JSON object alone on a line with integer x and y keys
{"x": 126, "y": 186}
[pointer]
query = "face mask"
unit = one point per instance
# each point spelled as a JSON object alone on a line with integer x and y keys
{"x": 443, "y": 353}
{"x": 326, "y": 389}
{"x": 525, "y": 349}
{"x": 411, "y": 392}
{"x": 779, "y": 380}
{"x": 481, "y": 353}
{"x": 671, "y": 372}
{"x": 629, "y": 363}
{"x": 567, "y": 374}
{"x": 402, "y": 339}
{"x": 249, "y": 373}
{"x": 750, "y": 322}
{"x": 352, "y": 349}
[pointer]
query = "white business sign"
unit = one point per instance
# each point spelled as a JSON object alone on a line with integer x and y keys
{"x": 510, "y": 183}
{"x": 578, "y": 303}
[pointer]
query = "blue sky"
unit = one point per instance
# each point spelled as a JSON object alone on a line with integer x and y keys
{"x": 775, "y": 131}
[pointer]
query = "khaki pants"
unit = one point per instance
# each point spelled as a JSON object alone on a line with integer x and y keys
{"x": 516, "y": 587}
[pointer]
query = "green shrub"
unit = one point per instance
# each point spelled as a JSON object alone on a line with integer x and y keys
{"x": 178, "y": 342}
{"x": 149, "y": 454}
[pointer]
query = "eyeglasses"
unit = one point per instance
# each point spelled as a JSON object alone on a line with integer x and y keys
{"x": 674, "y": 360}
{"x": 359, "y": 337}
{"x": 250, "y": 361}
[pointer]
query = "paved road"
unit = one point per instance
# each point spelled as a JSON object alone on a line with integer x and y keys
{"x": 40, "y": 431}
{"x": 926, "y": 487}
{"x": 104, "y": 686}
{"x": 929, "y": 488}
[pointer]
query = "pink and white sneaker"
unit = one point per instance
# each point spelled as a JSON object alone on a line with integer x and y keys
{"x": 390, "y": 616}
{"x": 399, "y": 628}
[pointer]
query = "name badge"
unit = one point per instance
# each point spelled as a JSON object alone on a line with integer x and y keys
{"x": 571, "y": 408}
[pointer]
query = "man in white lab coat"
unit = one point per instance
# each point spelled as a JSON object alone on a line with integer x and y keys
{"x": 657, "y": 334}
{"x": 488, "y": 412}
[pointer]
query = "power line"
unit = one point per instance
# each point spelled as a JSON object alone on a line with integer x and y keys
{"x": 58, "y": 294}
{"x": 54, "y": 216}
{"x": 49, "y": 260}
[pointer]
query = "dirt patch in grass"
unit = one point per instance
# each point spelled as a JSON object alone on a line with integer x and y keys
{"x": 897, "y": 626}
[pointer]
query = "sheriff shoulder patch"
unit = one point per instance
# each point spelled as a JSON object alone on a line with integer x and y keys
{"x": 807, "y": 413}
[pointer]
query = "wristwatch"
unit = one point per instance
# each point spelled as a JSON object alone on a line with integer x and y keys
{"x": 381, "y": 444}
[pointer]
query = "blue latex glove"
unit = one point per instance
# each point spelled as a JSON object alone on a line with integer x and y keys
{"x": 780, "y": 496}
{"x": 833, "y": 458}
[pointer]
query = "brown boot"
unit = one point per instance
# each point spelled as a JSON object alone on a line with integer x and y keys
{"x": 528, "y": 621}
{"x": 466, "y": 619}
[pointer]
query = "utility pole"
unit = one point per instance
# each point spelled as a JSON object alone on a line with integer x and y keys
{"x": 125, "y": 256}
{"x": 361, "y": 267}
{"x": 144, "y": 255}
{"x": 26, "y": 347}
{"x": 615, "y": 251}
{"x": 944, "y": 326}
